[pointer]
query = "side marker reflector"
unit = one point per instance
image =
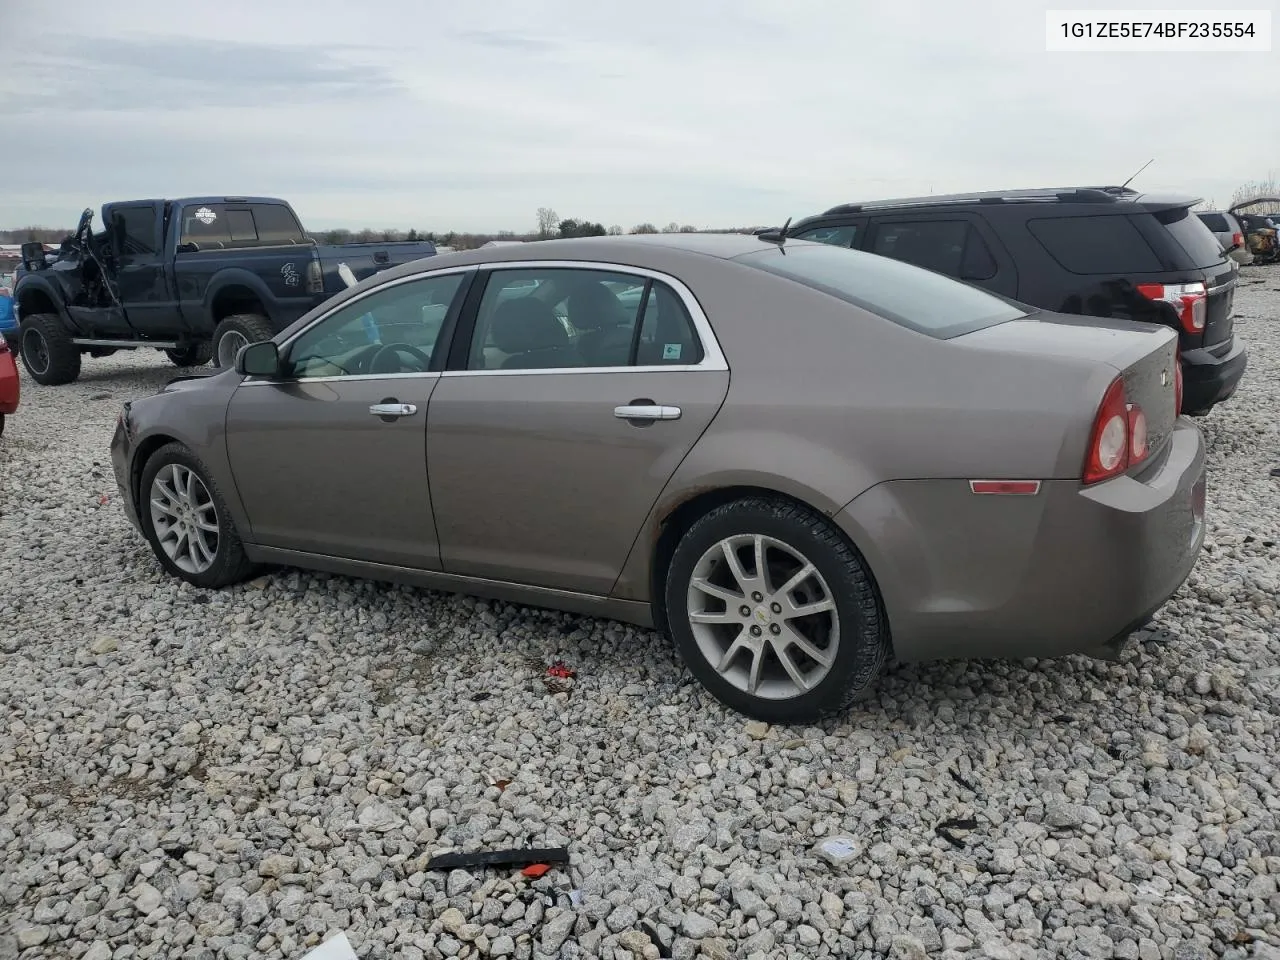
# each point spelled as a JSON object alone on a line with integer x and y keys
{"x": 1022, "y": 488}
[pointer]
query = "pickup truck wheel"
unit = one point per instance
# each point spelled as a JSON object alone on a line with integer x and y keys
{"x": 194, "y": 355}
{"x": 47, "y": 351}
{"x": 236, "y": 331}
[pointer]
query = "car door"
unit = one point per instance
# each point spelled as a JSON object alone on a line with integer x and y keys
{"x": 136, "y": 232}
{"x": 957, "y": 244}
{"x": 564, "y": 413}
{"x": 331, "y": 458}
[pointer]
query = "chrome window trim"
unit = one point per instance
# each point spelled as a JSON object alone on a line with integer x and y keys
{"x": 341, "y": 378}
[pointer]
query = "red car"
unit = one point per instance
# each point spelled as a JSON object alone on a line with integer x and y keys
{"x": 8, "y": 382}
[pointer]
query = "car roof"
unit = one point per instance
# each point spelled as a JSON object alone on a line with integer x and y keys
{"x": 1101, "y": 195}
{"x": 722, "y": 246}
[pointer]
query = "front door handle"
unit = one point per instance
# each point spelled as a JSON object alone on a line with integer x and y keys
{"x": 646, "y": 411}
{"x": 390, "y": 411}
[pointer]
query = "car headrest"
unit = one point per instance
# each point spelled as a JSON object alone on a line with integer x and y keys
{"x": 527, "y": 324}
{"x": 594, "y": 307}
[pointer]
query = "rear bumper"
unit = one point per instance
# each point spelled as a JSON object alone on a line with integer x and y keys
{"x": 1209, "y": 378}
{"x": 1068, "y": 570}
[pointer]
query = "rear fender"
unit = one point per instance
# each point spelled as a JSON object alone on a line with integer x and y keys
{"x": 240, "y": 284}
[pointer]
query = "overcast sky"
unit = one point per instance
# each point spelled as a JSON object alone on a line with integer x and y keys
{"x": 471, "y": 115}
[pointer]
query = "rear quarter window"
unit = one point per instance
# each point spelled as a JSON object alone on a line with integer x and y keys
{"x": 1192, "y": 236}
{"x": 1099, "y": 244}
{"x": 912, "y": 297}
{"x": 1215, "y": 222}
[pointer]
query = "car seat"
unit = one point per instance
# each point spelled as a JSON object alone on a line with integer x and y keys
{"x": 530, "y": 331}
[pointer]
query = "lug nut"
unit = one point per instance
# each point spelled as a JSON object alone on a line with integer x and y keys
{"x": 755, "y": 631}
{"x": 757, "y": 596}
{"x": 776, "y": 608}
{"x": 775, "y": 629}
{"x": 744, "y": 610}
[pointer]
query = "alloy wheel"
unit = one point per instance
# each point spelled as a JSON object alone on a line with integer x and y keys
{"x": 763, "y": 616}
{"x": 185, "y": 518}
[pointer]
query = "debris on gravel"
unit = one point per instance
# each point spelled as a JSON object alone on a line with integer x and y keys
{"x": 196, "y": 774}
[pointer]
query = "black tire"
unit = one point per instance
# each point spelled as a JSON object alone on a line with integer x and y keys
{"x": 230, "y": 565}
{"x": 47, "y": 351}
{"x": 1, "y": 424}
{"x": 254, "y": 327}
{"x": 864, "y": 642}
{"x": 192, "y": 355}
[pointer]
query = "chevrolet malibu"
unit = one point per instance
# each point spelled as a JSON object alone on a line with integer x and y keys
{"x": 795, "y": 460}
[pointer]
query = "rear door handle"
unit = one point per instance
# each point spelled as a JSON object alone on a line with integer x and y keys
{"x": 646, "y": 411}
{"x": 393, "y": 410}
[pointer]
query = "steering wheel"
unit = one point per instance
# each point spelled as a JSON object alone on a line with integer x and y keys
{"x": 378, "y": 364}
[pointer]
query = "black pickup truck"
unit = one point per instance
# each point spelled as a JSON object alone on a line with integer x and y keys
{"x": 196, "y": 278}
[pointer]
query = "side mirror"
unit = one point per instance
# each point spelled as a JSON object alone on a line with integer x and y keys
{"x": 189, "y": 247}
{"x": 259, "y": 360}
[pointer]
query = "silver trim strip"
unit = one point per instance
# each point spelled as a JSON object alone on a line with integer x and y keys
{"x": 125, "y": 344}
{"x": 351, "y": 378}
{"x": 712, "y": 356}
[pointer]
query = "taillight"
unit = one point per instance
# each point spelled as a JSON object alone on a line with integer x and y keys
{"x": 1189, "y": 300}
{"x": 1137, "y": 434}
{"x": 1237, "y": 239}
{"x": 315, "y": 277}
{"x": 1109, "y": 440}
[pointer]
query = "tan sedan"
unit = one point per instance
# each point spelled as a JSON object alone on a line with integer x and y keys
{"x": 795, "y": 459}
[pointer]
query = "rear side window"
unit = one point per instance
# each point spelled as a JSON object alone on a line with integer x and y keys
{"x": 1215, "y": 222}
{"x": 1110, "y": 244}
{"x": 206, "y": 226}
{"x": 920, "y": 300}
{"x": 952, "y": 247}
{"x": 1192, "y": 236}
{"x": 276, "y": 224}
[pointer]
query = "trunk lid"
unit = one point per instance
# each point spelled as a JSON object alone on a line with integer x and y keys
{"x": 1144, "y": 355}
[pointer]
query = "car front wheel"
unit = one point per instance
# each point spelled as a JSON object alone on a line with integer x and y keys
{"x": 774, "y": 611}
{"x": 186, "y": 520}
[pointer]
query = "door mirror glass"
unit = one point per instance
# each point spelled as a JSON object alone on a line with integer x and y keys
{"x": 259, "y": 360}
{"x": 189, "y": 247}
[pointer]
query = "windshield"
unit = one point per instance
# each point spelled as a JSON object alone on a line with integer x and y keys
{"x": 910, "y": 296}
{"x": 1192, "y": 235}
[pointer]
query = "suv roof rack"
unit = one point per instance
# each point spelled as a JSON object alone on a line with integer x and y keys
{"x": 1099, "y": 194}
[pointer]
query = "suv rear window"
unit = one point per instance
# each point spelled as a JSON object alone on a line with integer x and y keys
{"x": 1100, "y": 244}
{"x": 1192, "y": 236}
{"x": 1215, "y": 222}
{"x": 909, "y": 296}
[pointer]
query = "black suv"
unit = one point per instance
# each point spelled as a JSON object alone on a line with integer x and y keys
{"x": 1095, "y": 251}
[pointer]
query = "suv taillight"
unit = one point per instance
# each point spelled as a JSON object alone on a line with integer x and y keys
{"x": 1237, "y": 239}
{"x": 1119, "y": 436}
{"x": 315, "y": 277}
{"x": 1188, "y": 299}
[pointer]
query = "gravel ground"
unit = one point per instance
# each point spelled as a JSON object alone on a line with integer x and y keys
{"x": 246, "y": 772}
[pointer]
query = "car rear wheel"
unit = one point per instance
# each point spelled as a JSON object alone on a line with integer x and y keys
{"x": 774, "y": 611}
{"x": 237, "y": 331}
{"x": 192, "y": 355}
{"x": 185, "y": 519}
{"x": 47, "y": 351}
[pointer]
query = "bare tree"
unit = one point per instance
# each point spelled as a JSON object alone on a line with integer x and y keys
{"x": 547, "y": 222}
{"x": 671, "y": 227}
{"x": 1268, "y": 187}
{"x": 615, "y": 230}
{"x": 644, "y": 228}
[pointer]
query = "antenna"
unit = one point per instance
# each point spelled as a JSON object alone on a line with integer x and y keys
{"x": 776, "y": 236}
{"x": 1140, "y": 169}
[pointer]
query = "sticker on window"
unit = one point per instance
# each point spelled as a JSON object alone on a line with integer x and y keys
{"x": 206, "y": 216}
{"x": 671, "y": 351}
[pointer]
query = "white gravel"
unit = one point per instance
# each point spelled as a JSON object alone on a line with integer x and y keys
{"x": 244, "y": 773}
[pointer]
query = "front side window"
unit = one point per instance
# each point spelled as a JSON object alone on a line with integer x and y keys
{"x": 135, "y": 229}
{"x": 564, "y": 318}
{"x": 842, "y": 236}
{"x": 393, "y": 330}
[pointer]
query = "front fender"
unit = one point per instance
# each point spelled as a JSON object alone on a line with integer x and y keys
{"x": 34, "y": 283}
